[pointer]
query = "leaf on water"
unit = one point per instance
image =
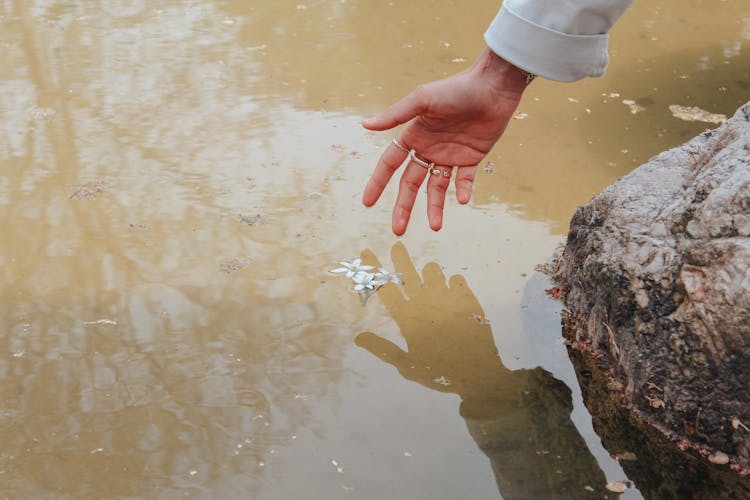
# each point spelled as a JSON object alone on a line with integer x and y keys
{"x": 617, "y": 487}
{"x": 634, "y": 108}
{"x": 696, "y": 114}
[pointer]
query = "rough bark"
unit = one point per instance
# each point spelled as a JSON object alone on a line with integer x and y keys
{"x": 656, "y": 280}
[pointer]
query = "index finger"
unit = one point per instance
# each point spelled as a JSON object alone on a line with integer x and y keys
{"x": 389, "y": 162}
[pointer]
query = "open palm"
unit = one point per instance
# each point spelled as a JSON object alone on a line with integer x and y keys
{"x": 450, "y": 122}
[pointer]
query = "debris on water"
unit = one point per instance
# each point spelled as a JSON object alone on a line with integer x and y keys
{"x": 573, "y": 99}
{"x": 696, "y": 114}
{"x": 458, "y": 59}
{"x": 338, "y": 467}
{"x": 88, "y": 190}
{"x": 232, "y": 265}
{"x": 250, "y": 220}
{"x": 39, "y": 114}
{"x": 588, "y": 488}
{"x": 407, "y": 454}
{"x": 488, "y": 168}
{"x": 482, "y": 320}
{"x": 631, "y": 104}
{"x": 101, "y": 322}
{"x": 617, "y": 487}
{"x": 520, "y": 116}
{"x": 442, "y": 381}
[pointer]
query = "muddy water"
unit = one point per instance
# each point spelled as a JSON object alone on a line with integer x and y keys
{"x": 177, "y": 180}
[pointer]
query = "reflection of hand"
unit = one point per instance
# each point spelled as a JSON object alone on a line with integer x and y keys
{"x": 454, "y": 121}
{"x": 520, "y": 419}
{"x": 449, "y": 344}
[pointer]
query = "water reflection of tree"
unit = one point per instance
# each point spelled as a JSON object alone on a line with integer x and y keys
{"x": 520, "y": 419}
{"x": 131, "y": 365}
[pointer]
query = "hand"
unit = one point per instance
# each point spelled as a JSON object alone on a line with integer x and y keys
{"x": 450, "y": 347}
{"x": 450, "y": 122}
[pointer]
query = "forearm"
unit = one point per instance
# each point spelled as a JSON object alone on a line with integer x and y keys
{"x": 565, "y": 41}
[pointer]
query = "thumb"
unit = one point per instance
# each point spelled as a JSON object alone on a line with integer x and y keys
{"x": 381, "y": 348}
{"x": 400, "y": 112}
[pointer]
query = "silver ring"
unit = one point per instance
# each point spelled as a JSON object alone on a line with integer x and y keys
{"x": 438, "y": 171}
{"x": 399, "y": 145}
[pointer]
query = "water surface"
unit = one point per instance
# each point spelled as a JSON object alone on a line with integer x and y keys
{"x": 179, "y": 178}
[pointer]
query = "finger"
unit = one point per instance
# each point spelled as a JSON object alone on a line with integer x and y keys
{"x": 398, "y": 113}
{"x": 382, "y": 349}
{"x": 460, "y": 287}
{"x": 437, "y": 185}
{"x": 389, "y": 162}
{"x": 433, "y": 276}
{"x": 465, "y": 183}
{"x": 408, "y": 187}
{"x": 369, "y": 257}
{"x": 390, "y": 296}
{"x": 410, "y": 276}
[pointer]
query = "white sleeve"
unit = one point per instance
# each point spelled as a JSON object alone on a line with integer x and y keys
{"x": 563, "y": 40}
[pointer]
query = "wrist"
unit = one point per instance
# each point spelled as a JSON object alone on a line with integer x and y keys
{"x": 501, "y": 74}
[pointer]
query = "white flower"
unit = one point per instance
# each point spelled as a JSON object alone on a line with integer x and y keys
{"x": 363, "y": 280}
{"x": 384, "y": 277}
{"x": 351, "y": 268}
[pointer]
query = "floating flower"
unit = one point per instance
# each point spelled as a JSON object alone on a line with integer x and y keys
{"x": 364, "y": 280}
{"x": 383, "y": 277}
{"x": 365, "y": 283}
{"x": 352, "y": 268}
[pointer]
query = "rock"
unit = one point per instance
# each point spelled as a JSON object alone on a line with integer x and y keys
{"x": 655, "y": 277}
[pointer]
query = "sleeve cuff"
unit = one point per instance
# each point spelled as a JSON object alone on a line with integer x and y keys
{"x": 545, "y": 52}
